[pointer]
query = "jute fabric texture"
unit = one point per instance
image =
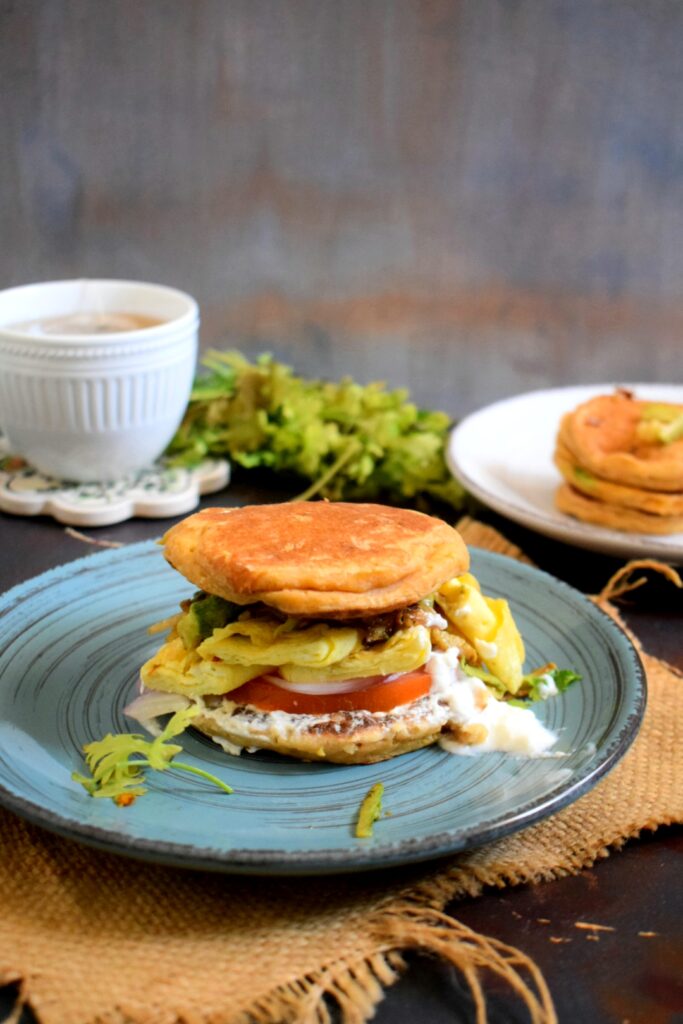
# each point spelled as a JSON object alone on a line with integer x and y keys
{"x": 92, "y": 938}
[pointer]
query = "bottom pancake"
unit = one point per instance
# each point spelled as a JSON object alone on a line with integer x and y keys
{"x": 616, "y": 517}
{"x": 341, "y": 737}
{"x": 657, "y": 503}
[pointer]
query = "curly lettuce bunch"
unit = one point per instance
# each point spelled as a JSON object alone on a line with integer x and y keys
{"x": 351, "y": 441}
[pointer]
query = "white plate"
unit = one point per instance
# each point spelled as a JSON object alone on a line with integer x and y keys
{"x": 158, "y": 492}
{"x": 503, "y": 455}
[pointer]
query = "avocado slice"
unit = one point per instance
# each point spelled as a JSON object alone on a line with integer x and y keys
{"x": 206, "y": 613}
{"x": 583, "y": 476}
{"x": 660, "y": 431}
{"x": 660, "y": 411}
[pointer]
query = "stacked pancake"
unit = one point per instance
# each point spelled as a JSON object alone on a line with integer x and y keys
{"x": 622, "y": 461}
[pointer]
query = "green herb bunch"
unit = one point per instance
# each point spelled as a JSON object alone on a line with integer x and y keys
{"x": 351, "y": 441}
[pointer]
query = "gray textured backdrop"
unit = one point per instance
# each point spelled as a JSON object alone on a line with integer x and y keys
{"x": 472, "y": 198}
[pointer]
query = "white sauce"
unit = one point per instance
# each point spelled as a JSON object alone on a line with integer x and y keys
{"x": 486, "y": 649}
{"x": 508, "y": 728}
{"x": 546, "y": 687}
{"x": 462, "y": 611}
{"x": 433, "y": 619}
{"x": 227, "y": 746}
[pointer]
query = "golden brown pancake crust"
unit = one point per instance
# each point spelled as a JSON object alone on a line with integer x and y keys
{"x": 601, "y": 435}
{"x": 331, "y": 559}
{"x": 617, "y": 517}
{"x": 656, "y": 503}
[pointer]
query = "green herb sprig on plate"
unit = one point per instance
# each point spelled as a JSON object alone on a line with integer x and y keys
{"x": 116, "y": 762}
{"x": 351, "y": 441}
{"x": 370, "y": 811}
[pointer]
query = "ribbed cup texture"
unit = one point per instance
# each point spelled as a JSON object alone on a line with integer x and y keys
{"x": 95, "y": 404}
{"x": 91, "y": 412}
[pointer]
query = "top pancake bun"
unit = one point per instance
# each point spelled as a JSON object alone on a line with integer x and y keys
{"x": 321, "y": 559}
{"x": 602, "y": 435}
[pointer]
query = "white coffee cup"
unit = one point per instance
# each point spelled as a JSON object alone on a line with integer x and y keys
{"x": 94, "y": 406}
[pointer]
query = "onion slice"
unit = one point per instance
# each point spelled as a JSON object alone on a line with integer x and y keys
{"x": 322, "y": 688}
{"x": 146, "y": 708}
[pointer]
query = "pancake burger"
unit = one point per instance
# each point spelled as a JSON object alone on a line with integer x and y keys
{"x": 341, "y": 632}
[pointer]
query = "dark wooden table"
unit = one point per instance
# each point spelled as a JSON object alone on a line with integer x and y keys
{"x": 623, "y": 977}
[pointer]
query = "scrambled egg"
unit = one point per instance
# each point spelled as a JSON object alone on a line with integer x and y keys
{"x": 257, "y": 643}
{"x": 487, "y": 624}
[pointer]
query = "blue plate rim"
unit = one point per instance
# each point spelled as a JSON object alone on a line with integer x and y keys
{"x": 288, "y": 863}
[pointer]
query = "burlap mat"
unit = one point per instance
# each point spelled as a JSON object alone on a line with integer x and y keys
{"x": 92, "y": 937}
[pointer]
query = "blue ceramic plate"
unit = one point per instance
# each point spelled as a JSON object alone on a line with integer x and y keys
{"x": 71, "y": 643}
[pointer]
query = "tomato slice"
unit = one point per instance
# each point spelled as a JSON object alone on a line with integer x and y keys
{"x": 378, "y": 696}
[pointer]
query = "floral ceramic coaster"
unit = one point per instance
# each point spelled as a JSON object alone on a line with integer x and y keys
{"x": 157, "y": 492}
